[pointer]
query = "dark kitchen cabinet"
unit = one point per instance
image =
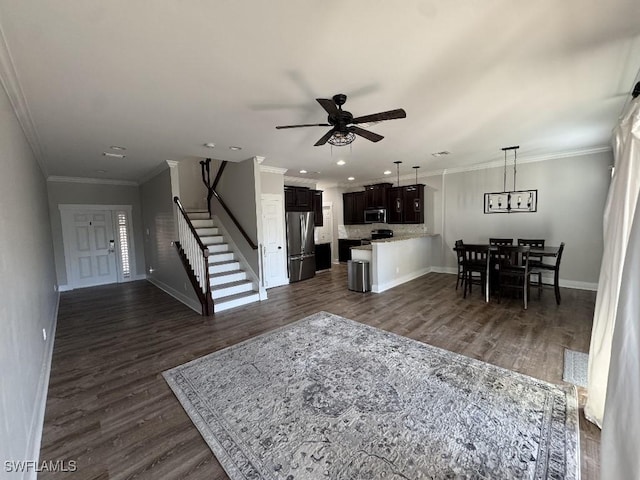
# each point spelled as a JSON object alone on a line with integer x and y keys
{"x": 317, "y": 207}
{"x": 405, "y": 204}
{"x": 353, "y": 207}
{"x": 344, "y": 248}
{"x": 298, "y": 199}
{"x": 323, "y": 256}
{"x": 376, "y": 195}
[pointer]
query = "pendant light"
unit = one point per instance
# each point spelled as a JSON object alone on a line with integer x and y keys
{"x": 512, "y": 201}
{"x": 398, "y": 162}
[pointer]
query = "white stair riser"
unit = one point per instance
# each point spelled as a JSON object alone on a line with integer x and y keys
{"x": 222, "y": 305}
{"x": 212, "y": 240}
{"x": 218, "y": 248}
{"x": 202, "y": 224}
{"x": 220, "y": 257}
{"x": 198, "y": 215}
{"x": 225, "y": 292}
{"x": 228, "y": 278}
{"x": 226, "y": 267}
{"x": 207, "y": 232}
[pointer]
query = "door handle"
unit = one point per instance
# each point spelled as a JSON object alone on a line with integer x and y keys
{"x": 279, "y": 248}
{"x": 112, "y": 246}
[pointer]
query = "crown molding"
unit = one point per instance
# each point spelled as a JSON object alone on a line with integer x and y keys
{"x": 269, "y": 169}
{"x": 11, "y": 83}
{"x": 300, "y": 180}
{"x": 161, "y": 167}
{"x": 100, "y": 181}
{"x": 529, "y": 159}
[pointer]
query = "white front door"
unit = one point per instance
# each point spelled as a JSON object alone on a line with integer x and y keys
{"x": 274, "y": 255}
{"x": 89, "y": 247}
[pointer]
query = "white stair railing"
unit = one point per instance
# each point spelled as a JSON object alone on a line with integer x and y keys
{"x": 195, "y": 257}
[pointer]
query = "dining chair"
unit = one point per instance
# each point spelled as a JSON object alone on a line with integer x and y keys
{"x": 460, "y": 254}
{"x": 513, "y": 270}
{"x": 534, "y": 260}
{"x": 476, "y": 261}
{"x": 555, "y": 268}
{"x": 500, "y": 241}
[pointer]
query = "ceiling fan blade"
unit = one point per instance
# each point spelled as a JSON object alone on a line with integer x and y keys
{"x": 374, "y": 137}
{"x": 324, "y": 138}
{"x": 304, "y": 125}
{"x": 378, "y": 117}
{"x": 328, "y": 105}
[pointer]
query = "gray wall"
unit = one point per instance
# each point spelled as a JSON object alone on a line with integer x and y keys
{"x": 193, "y": 193}
{"x": 28, "y": 302}
{"x": 571, "y": 197}
{"x": 164, "y": 268}
{"x": 239, "y": 187}
{"x": 94, "y": 194}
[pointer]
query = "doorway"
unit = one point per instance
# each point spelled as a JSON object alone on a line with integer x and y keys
{"x": 98, "y": 244}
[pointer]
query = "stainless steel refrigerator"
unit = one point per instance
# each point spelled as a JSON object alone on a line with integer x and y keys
{"x": 300, "y": 246}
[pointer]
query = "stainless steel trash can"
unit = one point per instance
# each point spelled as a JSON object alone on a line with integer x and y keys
{"x": 358, "y": 275}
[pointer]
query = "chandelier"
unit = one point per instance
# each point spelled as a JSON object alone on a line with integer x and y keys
{"x": 340, "y": 139}
{"x": 512, "y": 201}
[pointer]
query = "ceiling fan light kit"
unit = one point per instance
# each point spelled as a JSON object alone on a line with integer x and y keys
{"x": 344, "y": 125}
{"x": 513, "y": 201}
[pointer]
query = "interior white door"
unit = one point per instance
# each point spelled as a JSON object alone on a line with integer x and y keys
{"x": 90, "y": 247}
{"x": 274, "y": 255}
{"x": 324, "y": 234}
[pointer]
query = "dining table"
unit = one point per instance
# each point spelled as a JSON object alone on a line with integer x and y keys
{"x": 546, "y": 251}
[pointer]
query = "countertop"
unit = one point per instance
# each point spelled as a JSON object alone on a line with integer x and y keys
{"x": 399, "y": 238}
{"x": 362, "y": 247}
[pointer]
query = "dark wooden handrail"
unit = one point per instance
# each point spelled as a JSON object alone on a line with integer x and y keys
{"x": 211, "y": 192}
{"x": 202, "y": 246}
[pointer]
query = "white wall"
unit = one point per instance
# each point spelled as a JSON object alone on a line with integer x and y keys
{"x": 64, "y": 192}
{"x": 164, "y": 267}
{"x": 571, "y": 196}
{"x": 28, "y": 302}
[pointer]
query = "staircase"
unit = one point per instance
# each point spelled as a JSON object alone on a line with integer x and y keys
{"x": 230, "y": 285}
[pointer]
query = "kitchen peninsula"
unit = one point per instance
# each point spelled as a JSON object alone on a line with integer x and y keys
{"x": 396, "y": 260}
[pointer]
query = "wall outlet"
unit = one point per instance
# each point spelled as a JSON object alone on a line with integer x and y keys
{"x": 397, "y": 269}
{"x": 44, "y": 334}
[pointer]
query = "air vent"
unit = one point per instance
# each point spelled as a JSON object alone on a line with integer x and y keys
{"x": 113, "y": 155}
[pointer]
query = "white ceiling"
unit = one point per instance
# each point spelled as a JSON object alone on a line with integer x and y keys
{"x": 163, "y": 77}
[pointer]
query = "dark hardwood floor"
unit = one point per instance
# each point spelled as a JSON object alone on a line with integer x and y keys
{"x": 110, "y": 410}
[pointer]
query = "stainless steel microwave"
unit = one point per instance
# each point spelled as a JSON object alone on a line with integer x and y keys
{"x": 376, "y": 215}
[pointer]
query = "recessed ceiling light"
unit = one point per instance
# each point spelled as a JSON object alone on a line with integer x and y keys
{"x": 116, "y": 147}
{"x": 235, "y": 149}
{"x": 341, "y": 162}
{"x": 440, "y": 154}
{"x": 210, "y": 145}
{"x": 351, "y": 179}
{"x": 303, "y": 171}
{"x": 114, "y": 155}
{"x": 387, "y": 172}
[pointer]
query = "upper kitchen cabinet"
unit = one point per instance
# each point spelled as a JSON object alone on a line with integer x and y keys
{"x": 405, "y": 204}
{"x": 317, "y": 207}
{"x": 298, "y": 199}
{"x": 353, "y": 207}
{"x": 376, "y": 195}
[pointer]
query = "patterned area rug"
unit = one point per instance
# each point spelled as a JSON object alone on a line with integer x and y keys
{"x": 575, "y": 367}
{"x": 329, "y": 398}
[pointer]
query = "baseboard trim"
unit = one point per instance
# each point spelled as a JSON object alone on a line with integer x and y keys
{"x": 379, "y": 288}
{"x": 37, "y": 421}
{"x": 181, "y": 297}
{"x": 547, "y": 280}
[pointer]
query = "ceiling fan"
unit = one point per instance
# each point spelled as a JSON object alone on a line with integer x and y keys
{"x": 344, "y": 124}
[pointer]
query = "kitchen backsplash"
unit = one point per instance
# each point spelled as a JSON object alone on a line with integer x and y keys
{"x": 364, "y": 231}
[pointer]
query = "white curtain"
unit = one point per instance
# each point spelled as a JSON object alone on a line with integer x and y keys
{"x": 620, "y": 445}
{"x": 618, "y": 219}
